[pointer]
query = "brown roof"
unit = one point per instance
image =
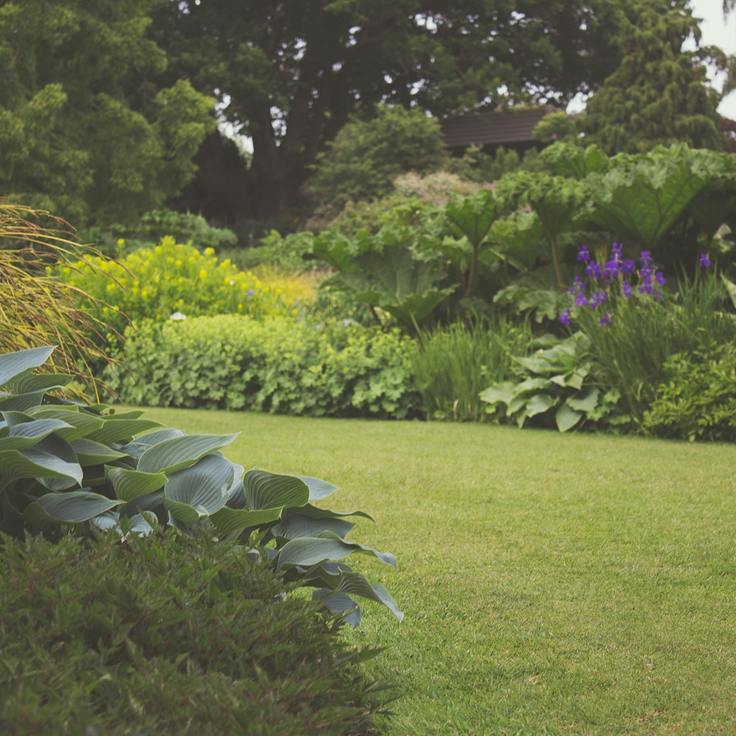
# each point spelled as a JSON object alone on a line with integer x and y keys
{"x": 495, "y": 128}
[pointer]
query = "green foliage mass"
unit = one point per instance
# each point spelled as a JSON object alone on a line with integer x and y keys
{"x": 70, "y": 464}
{"x": 368, "y": 154}
{"x": 554, "y": 382}
{"x": 88, "y": 126}
{"x": 167, "y": 635}
{"x": 659, "y": 93}
{"x": 698, "y": 397}
{"x": 274, "y": 365}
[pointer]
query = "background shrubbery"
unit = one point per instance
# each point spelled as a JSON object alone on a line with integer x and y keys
{"x": 167, "y": 635}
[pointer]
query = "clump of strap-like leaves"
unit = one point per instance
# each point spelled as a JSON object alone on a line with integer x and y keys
{"x": 69, "y": 464}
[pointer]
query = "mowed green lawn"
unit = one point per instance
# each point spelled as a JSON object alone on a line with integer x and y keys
{"x": 552, "y": 584}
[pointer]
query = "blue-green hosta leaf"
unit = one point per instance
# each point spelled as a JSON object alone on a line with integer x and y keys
{"x": 90, "y": 452}
{"x": 29, "y": 381}
{"x": 314, "y": 512}
{"x": 120, "y": 430}
{"x": 584, "y": 403}
{"x": 17, "y": 417}
{"x": 36, "y": 463}
{"x": 294, "y": 525}
{"x": 338, "y": 604}
{"x": 200, "y": 490}
{"x": 135, "y": 448}
{"x": 131, "y": 484}
{"x": 72, "y": 507}
{"x": 308, "y": 551}
{"x": 179, "y": 453}
{"x": 498, "y": 393}
{"x": 82, "y": 423}
{"x": 20, "y": 402}
{"x": 566, "y": 418}
{"x": 538, "y": 404}
{"x": 531, "y": 385}
{"x": 13, "y": 364}
{"x": 353, "y": 583}
{"x": 264, "y": 490}
{"x": 318, "y": 488}
{"x": 229, "y": 521}
{"x": 27, "y": 434}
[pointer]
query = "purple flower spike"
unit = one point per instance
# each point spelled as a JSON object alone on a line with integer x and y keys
{"x": 580, "y": 300}
{"x": 626, "y": 289}
{"x": 611, "y": 269}
{"x": 565, "y": 318}
{"x": 659, "y": 278}
{"x": 645, "y": 257}
{"x": 704, "y": 261}
{"x": 617, "y": 250}
{"x": 628, "y": 266}
{"x": 593, "y": 270}
{"x": 598, "y": 299}
{"x": 605, "y": 320}
{"x": 583, "y": 254}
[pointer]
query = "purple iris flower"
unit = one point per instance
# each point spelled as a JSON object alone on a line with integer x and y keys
{"x": 565, "y": 317}
{"x": 659, "y": 278}
{"x": 580, "y": 300}
{"x": 628, "y": 266}
{"x": 626, "y": 289}
{"x": 593, "y": 270}
{"x": 583, "y": 253}
{"x": 249, "y": 293}
{"x": 704, "y": 261}
{"x": 645, "y": 257}
{"x": 611, "y": 269}
{"x": 617, "y": 250}
{"x": 598, "y": 299}
{"x": 605, "y": 320}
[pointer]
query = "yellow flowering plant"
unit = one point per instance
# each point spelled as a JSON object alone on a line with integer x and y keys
{"x": 172, "y": 279}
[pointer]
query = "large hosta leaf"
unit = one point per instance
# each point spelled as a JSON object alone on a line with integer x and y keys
{"x": 308, "y": 551}
{"x": 179, "y": 453}
{"x": 82, "y": 423}
{"x": 21, "y": 402}
{"x": 264, "y": 490}
{"x": 13, "y": 364}
{"x": 35, "y": 463}
{"x": 120, "y": 430}
{"x": 72, "y": 507}
{"x": 94, "y": 453}
{"x": 318, "y": 488}
{"x": 228, "y": 521}
{"x": 200, "y": 490}
{"x": 294, "y": 525}
{"x": 131, "y": 484}
{"x": 566, "y": 417}
{"x": 27, "y": 434}
{"x": 29, "y": 382}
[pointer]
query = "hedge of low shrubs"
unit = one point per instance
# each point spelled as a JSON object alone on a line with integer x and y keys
{"x": 272, "y": 365}
{"x": 167, "y": 635}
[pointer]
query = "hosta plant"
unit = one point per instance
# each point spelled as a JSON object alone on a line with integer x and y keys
{"x": 552, "y": 382}
{"x": 69, "y": 464}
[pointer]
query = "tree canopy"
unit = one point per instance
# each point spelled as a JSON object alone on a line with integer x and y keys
{"x": 86, "y": 126}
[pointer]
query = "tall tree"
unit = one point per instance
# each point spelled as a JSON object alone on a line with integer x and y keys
{"x": 660, "y": 92}
{"x": 288, "y": 73}
{"x": 85, "y": 127}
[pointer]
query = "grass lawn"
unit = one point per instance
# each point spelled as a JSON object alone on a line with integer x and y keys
{"x": 552, "y": 584}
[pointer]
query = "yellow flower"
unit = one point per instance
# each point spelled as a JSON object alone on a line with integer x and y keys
{"x": 209, "y": 251}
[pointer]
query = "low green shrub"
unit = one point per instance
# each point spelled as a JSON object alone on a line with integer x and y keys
{"x": 167, "y": 278}
{"x": 70, "y": 464}
{"x": 167, "y": 635}
{"x": 453, "y": 365}
{"x": 553, "y": 385}
{"x": 698, "y": 398}
{"x": 274, "y": 365}
{"x": 184, "y": 227}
